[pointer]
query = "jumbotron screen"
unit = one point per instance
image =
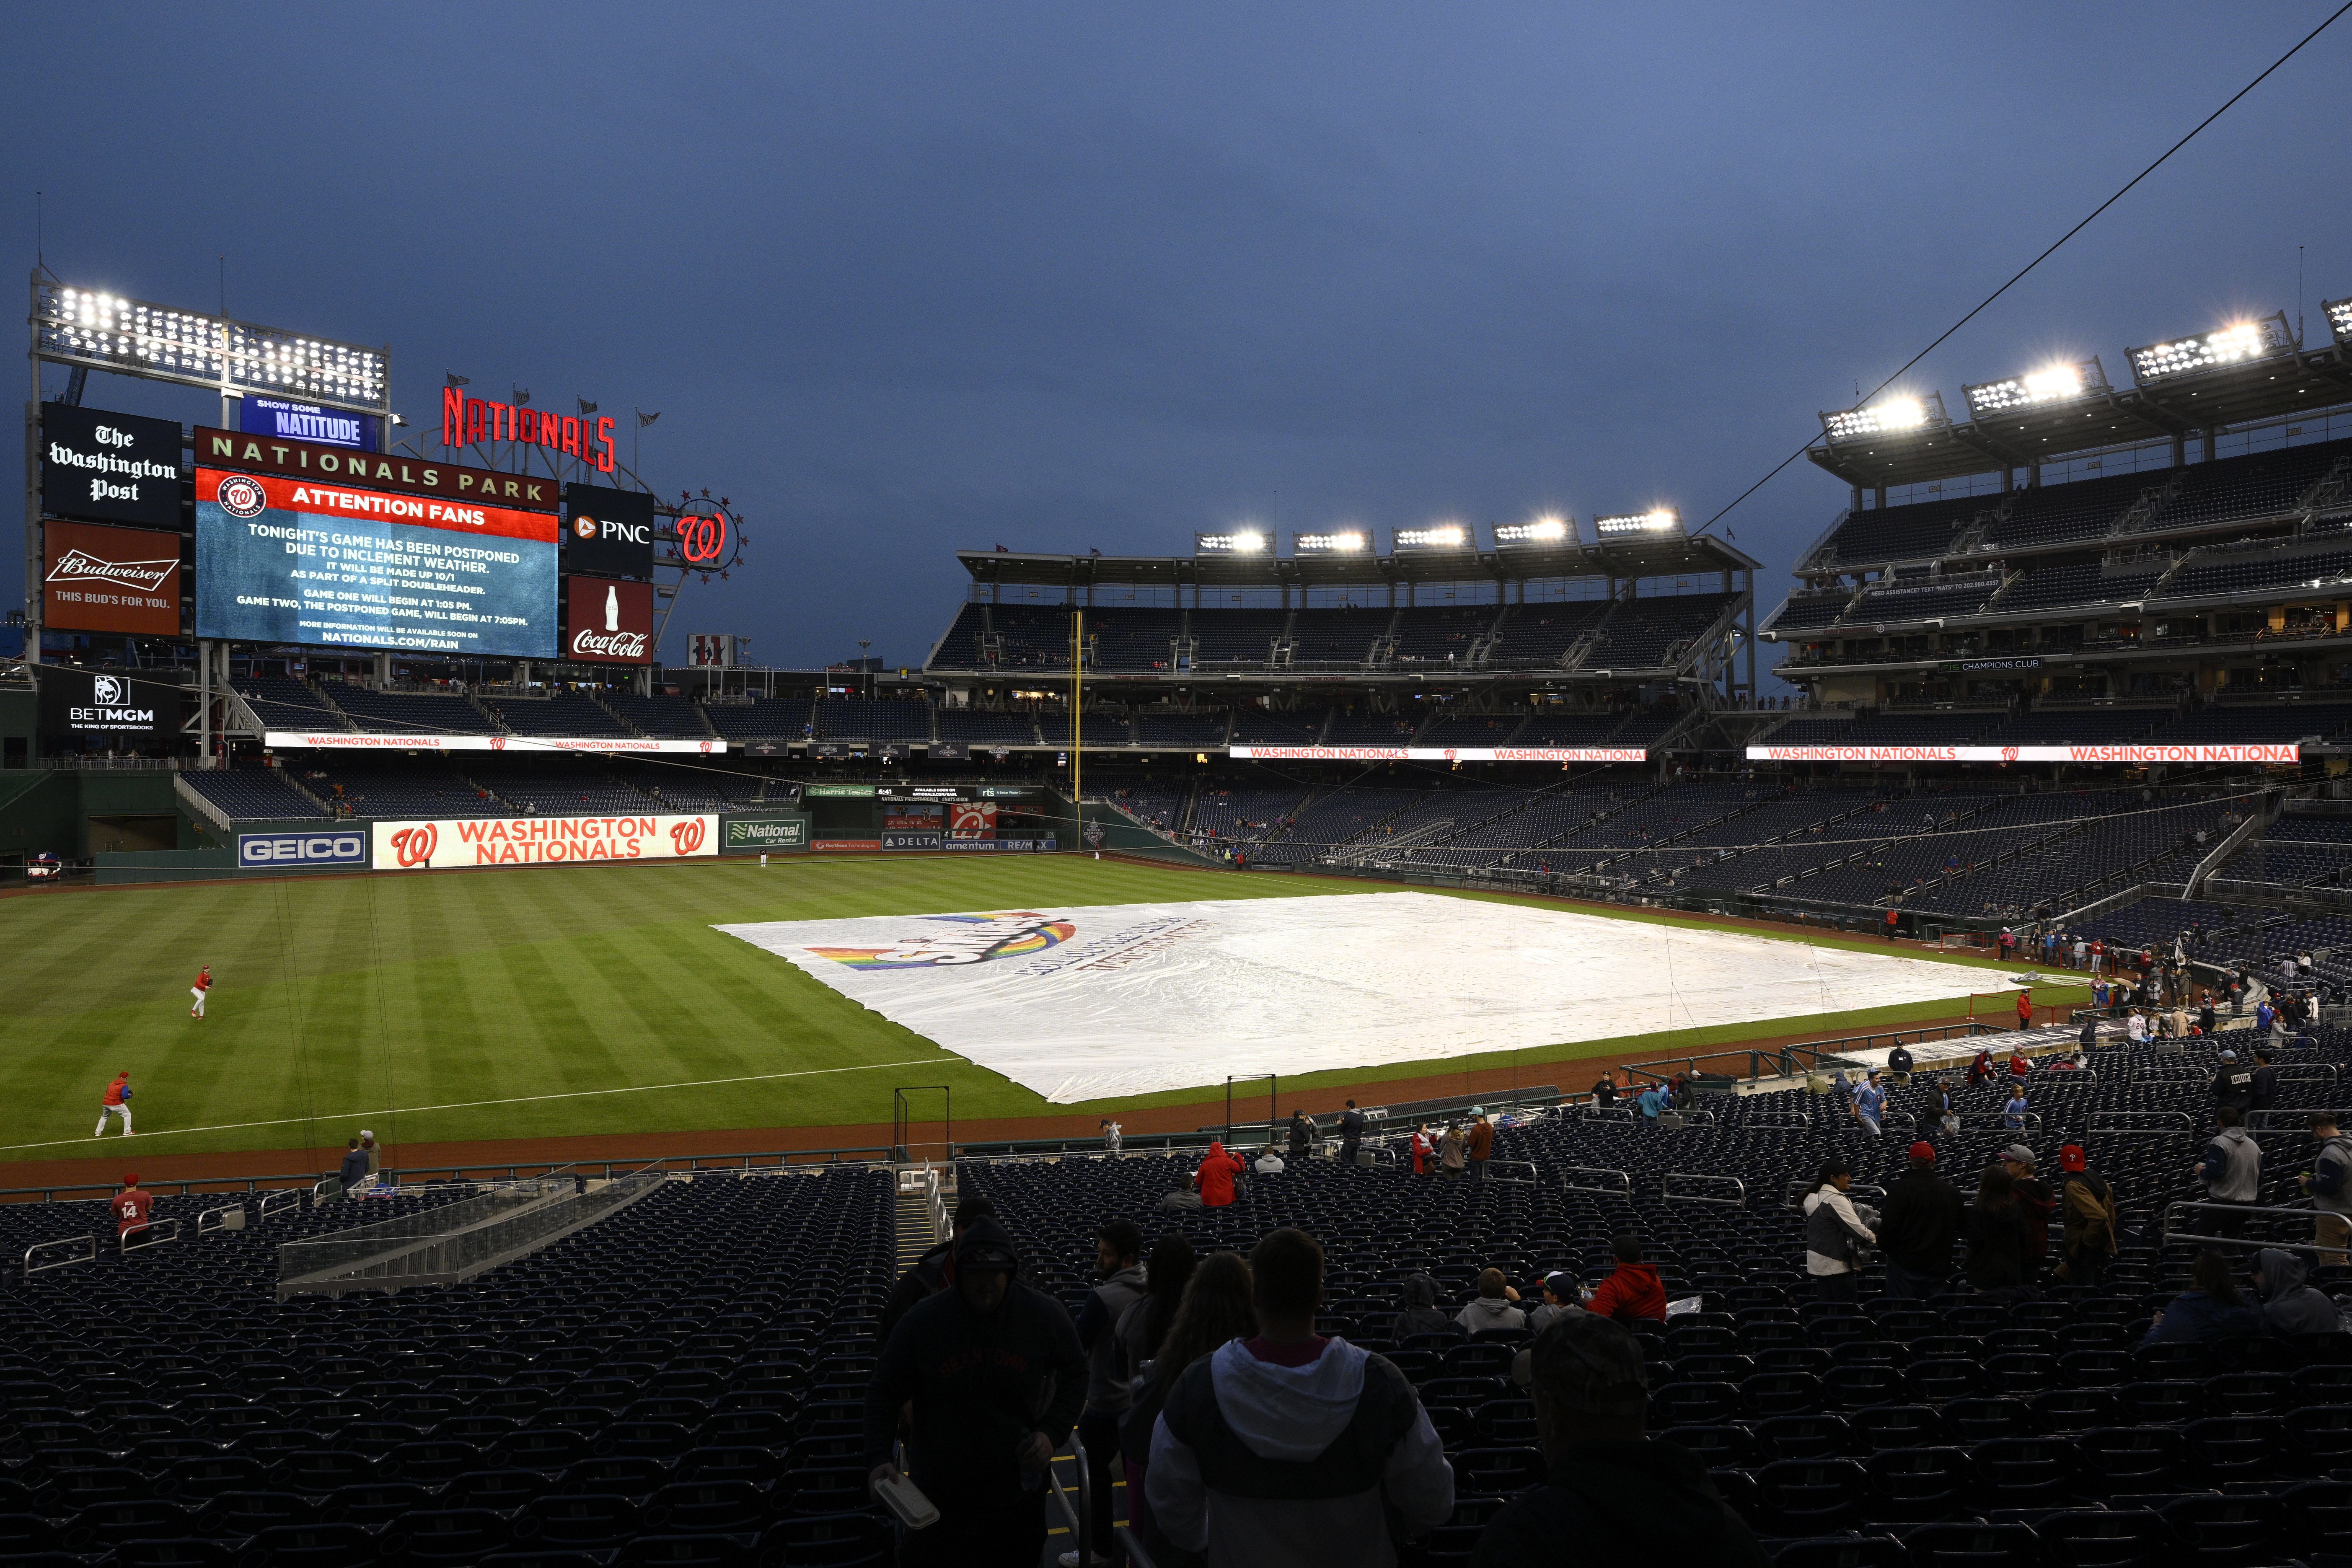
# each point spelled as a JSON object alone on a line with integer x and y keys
{"x": 297, "y": 560}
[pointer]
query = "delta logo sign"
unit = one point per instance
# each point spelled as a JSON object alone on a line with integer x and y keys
{"x": 967, "y": 939}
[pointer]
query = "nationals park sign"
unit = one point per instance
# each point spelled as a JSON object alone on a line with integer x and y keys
{"x": 539, "y": 840}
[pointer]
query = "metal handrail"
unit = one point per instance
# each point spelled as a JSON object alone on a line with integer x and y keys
{"x": 1136, "y": 1556}
{"x": 2180, "y": 1121}
{"x": 88, "y": 1244}
{"x": 2265, "y": 1121}
{"x": 2296, "y": 1070}
{"x": 1623, "y": 1113}
{"x": 279, "y": 1201}
{"x": 1568, "y": 1173}
{"x": 155, "y": 1232}
{"x": 1666, "y": 1193}
{"x": 1082, "y": 1520}
{"x": 1528, "y": 1165}
{"x": 2171, "y": 1236}
{"x": 217, "y": 1221}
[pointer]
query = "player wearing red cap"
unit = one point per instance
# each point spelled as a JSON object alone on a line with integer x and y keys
{"x": 203, "y": 984}
{"x": 1917, "y": 1228}
{"x": 131, "y": 1206}
{"x": 115, "y": 1102}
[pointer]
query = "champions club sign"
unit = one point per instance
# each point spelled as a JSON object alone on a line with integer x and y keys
{"x": 2288, "y": 753}
{"x": 540, "y": 841}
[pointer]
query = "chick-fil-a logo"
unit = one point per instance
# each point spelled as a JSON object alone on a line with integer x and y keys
{"x": 414, "y": 846}
{"x": 686, "y": 837}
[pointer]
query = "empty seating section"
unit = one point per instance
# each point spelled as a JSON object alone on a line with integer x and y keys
{"x": 1432, "y": 633}
{"x": 885, "y": 719}
{"x": 1237, "y": 637}
{"x": 694, "y": 784}
{"x": 662, "y": 718}
{"x": 2255, "y": 723}
{"x": 2131, "y": 834}
{"x": 2078, "y": 727}
{"x": 411, "y": 713}
{"x": 1361, "y": 729}
{"x": 1268, "y": 727}
{"x": 2238, "y": 569}
{"x": 2263, "y": 484}
{"x": 1335, "y": 817}
{"x": 2085, "y": 509}
{"x": 1734, "y": 854}
{"x": 566, "y": 714}
{"x": 960, "y": 647}
{"x": 1518, "y": 835}
{"x": 1031, "y": 637}
{"x": 1646, "y": 727}
{"x": 1151, "y": 798}
{"x": 1130, "y": 638}
{"x": 1901, "y": 533}
{"x": 1470, "y": 729}
{"x": 975, "y": 728}
{"x": 1181, "y": 730}
{"x": 1647, "y": 634}
{"x": 1246, "y": 815}
{"x": 281, "y": 702}
{"x": 1336, "y": 635}
{"x": 555, "y": 788}
{"x": 1562, "y": 729}
{"x": 252, "y": 793}
{"x": 682, "y": 1382}
{"x": 763, "y": 719}
{"x": 389, "y": 789}
{"x": 2080, "y": 583}
{"x": 1916, "y": 600}
{"x": 1543, "y": 633}
{"x": 1809, "y": 612}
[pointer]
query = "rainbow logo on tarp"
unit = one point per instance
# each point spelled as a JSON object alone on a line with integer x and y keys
{"x": 969, "y": 938}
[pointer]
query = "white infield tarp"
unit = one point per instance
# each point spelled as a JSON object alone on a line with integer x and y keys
{"x": 1101, "y": 1001}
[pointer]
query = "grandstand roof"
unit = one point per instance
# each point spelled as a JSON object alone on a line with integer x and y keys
{"x": 2295, "y": 381}
{"x": 1633, "y": 558}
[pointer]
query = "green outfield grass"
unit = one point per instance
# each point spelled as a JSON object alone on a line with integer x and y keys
{"x": 337, "y": 998}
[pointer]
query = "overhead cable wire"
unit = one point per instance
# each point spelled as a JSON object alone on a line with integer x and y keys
{"x": 2019, "y": 275}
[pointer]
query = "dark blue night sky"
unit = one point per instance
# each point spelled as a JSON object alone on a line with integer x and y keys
{"x": 905, "y": 279}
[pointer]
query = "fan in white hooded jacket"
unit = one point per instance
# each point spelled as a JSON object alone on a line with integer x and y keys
{"x": 1830, "y": 1221}
{"x": 1260, "y": 1464}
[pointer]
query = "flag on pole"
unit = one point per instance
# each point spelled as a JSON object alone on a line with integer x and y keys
{"x": 457, "y": 380}
{"x": 586, "y": 408}
{"x": 644, "y": 418}
{"x": 521, "y": 393}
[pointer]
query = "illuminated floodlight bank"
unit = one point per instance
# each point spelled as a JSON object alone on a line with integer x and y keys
{"x": 1542, "y": 531}
{"x": 1437, "y": 536}
{"x": 2339, "y": 318}
{"x": 1649, "y": 524}
{"x": 1892, "y": 415}
{"x": 1340, "y": 542}
{"x": 1240, "y": 541}
{"x": 136, "y": 337}
{"x": 2233, "y": 344}
{"x": 2057, "y": 382}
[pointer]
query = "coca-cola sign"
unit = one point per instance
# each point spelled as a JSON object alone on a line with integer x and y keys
{"x": 609, "y": 621}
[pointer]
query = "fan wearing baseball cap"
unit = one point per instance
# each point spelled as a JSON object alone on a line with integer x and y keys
{"x": 131, "y": 1206}
{"x": 1917, "y": 1227}
{"x": 2087, "y": 1208}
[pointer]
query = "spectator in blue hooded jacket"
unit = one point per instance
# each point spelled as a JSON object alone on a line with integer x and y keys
{"x": 2210, "y": 1311}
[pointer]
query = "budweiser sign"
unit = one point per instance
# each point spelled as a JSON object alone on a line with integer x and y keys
{"x": 111, "y": 579}
{"x": 81, "y": 566}
{"x": 609, "y": 621}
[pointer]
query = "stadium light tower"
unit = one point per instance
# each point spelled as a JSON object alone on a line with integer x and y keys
{"x": 2233, "y": 344}
{"x": 1339, "y": 541}
{"x": 2062, "y": 381}
{"x": 2339, "y": 319}
{"x": 1240, "y": 541}
{"x": 1896, "y": 414}
{"x": 1436, "y": 536}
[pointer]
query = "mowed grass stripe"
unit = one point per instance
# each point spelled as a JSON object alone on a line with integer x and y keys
{"x": 345, "y": 991}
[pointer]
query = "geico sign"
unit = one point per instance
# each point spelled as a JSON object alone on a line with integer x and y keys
{"x": 540, "y": 841}
{"x": 339, "y": 848}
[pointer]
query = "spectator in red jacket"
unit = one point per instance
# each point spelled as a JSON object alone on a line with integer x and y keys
{"x": 130, "y": 1207}
{"x": 1632, "y": 1290}
{"x": 1215, "y": 1177}
{"x": 2025, "y": 1009}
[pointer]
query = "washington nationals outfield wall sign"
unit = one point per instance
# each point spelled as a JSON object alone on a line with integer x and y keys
{"x": 539, "y": 840}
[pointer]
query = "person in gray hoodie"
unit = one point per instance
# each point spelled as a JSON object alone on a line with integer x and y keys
{"x": 1495, "y": 1308}
{"x": 1292, "y": 1449}
{"x": 1118, "y": 1248}
{"x": 2290, "y": 1306}
{"x": 2231, "y": 1170}
{"x": 1420, "y": 1314}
